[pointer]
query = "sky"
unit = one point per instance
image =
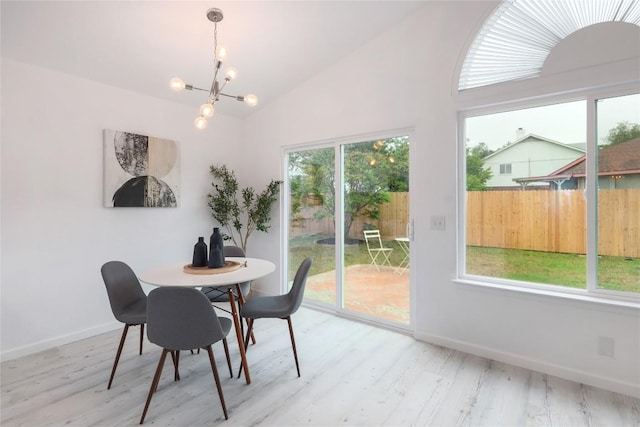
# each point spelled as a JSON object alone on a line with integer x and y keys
{"x": 565, "y": 123}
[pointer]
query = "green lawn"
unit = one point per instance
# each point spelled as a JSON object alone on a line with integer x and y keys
{"x": 615, "y": 273}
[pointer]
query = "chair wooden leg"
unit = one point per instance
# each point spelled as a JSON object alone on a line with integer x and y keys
{"x": 176, "y": 363}
{"x": 246, "y": 341}
{"x": 241, "y": 302}
{"x": 226, "y": 353}
{"x": 214, "y": 369}
{"x": 176, "y": 373}
{"x": 115, "y": 362}
{"x": 141, "y": 336}
{"x": 293, "y": 344}
{"x": 253, "y": 338}
{"x": 249, "y": 332}
{"x": 154, "y": 383}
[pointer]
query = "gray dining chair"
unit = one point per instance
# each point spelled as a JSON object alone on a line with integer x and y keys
{"x": 278, "y": 307}
{"x": 181, "y": 318}
{"x": 128, "y": 302}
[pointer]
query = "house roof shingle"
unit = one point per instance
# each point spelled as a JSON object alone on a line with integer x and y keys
{"x": 618, "y": 159}
{"x": 612, "y": 159}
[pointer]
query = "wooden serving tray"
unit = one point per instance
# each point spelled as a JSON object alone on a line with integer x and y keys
{"x": 228, "y": 267}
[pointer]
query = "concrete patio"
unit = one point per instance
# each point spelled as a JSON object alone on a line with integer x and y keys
{"x": 383, "y": 293}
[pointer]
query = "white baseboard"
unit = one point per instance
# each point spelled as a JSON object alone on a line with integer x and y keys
{"x": 567, "y": 373}
{"x": 57, "y": 341}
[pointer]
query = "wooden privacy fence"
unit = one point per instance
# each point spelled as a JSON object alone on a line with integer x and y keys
{"x": 394, "y": 216}
{"x": 549, "y": 221}
{"x": 554, "y": 221}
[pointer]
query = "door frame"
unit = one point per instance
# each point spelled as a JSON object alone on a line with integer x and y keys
{"x": 337, "y": 144}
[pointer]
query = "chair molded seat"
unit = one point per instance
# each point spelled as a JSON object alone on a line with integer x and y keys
{"x": 278, "y": 307}
{"x": 274, "y": 307}
{"x": 181, "y": 318}
{"x": 127, "y": 300}
{"x": 135, "y": 313}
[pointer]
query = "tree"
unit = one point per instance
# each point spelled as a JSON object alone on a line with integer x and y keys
{"x": 477, "y": 175}
{"x": 240, "y": 216}
{"x": 482, "y": 150}
{"x": 624, "y": 131}
{"x": 396, "y": 151}
{"x": 372, "y": 169}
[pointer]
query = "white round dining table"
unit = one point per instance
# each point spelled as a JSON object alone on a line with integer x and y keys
{"x": 174, "y": 274}
{"x": 250, "y": 269}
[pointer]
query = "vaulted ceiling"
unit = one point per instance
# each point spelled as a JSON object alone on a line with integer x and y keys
{"x": 141, "y": 45}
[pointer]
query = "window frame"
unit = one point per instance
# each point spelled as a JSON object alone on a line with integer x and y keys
{"x": 505, "y": 168}
{"x": 505, "y": 49}
{"x": 591, "y": 291}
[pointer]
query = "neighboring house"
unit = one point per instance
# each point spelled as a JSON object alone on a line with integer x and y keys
{"x": 618, "y": 167}
{"x": 531, "y": 155}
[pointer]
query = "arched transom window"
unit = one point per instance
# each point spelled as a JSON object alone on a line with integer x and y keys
{"x": 517, "y": 38}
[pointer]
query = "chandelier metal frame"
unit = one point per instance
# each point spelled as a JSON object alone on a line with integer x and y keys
{"x": 215, "y": 91}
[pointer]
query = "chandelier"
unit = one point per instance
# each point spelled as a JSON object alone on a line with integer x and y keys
{"x": 207, "y": 109}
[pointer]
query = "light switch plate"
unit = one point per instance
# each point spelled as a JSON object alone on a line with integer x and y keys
{"x": 438, "y": 223}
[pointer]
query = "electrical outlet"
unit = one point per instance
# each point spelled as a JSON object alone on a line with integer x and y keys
{"x": 437, "y": 223}
{"x": 606, "y": 346}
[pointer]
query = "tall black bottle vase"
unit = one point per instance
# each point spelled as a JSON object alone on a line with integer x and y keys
{"x": 216, "y": 249}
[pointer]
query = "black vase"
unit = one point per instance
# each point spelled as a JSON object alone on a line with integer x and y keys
{"x": 216, "y": 249}
{"x": 216, "y": 259}
{"x": 200, "y": 254}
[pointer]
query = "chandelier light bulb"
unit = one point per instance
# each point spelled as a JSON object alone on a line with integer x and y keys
{"x": 206, "y": 110}
{"x": 200, "y": 122}
{"x": 177, "y": 84}
{"x": 221, "y": 53}
{"x": 231, "y": 74}
{"x": 251, "y": 100}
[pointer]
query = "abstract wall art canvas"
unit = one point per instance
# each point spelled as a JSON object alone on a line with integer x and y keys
{"x": 140, "y": 171}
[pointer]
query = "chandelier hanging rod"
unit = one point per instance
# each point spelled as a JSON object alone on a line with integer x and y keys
{"x": 206, "y": 110}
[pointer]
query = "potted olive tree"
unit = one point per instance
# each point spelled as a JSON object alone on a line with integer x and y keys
{"x": 240, "y": 212}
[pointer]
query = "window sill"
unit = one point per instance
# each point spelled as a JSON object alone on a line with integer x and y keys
{"x": 572, "y": 294}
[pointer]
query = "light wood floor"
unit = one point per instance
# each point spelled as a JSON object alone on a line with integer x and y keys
{"x": 352, "y": 374}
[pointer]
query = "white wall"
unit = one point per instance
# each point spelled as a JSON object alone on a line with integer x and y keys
{"x": 407, "y": 78}
{"x": 55, "y": 232}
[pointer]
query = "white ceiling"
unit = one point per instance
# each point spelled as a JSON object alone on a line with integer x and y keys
{"x": 141, "y": 45}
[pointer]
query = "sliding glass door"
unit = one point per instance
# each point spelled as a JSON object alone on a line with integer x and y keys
{"x": 348, "y": 209}
{"x": 311, "y": 232}
{"x": 375, "y": 193}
